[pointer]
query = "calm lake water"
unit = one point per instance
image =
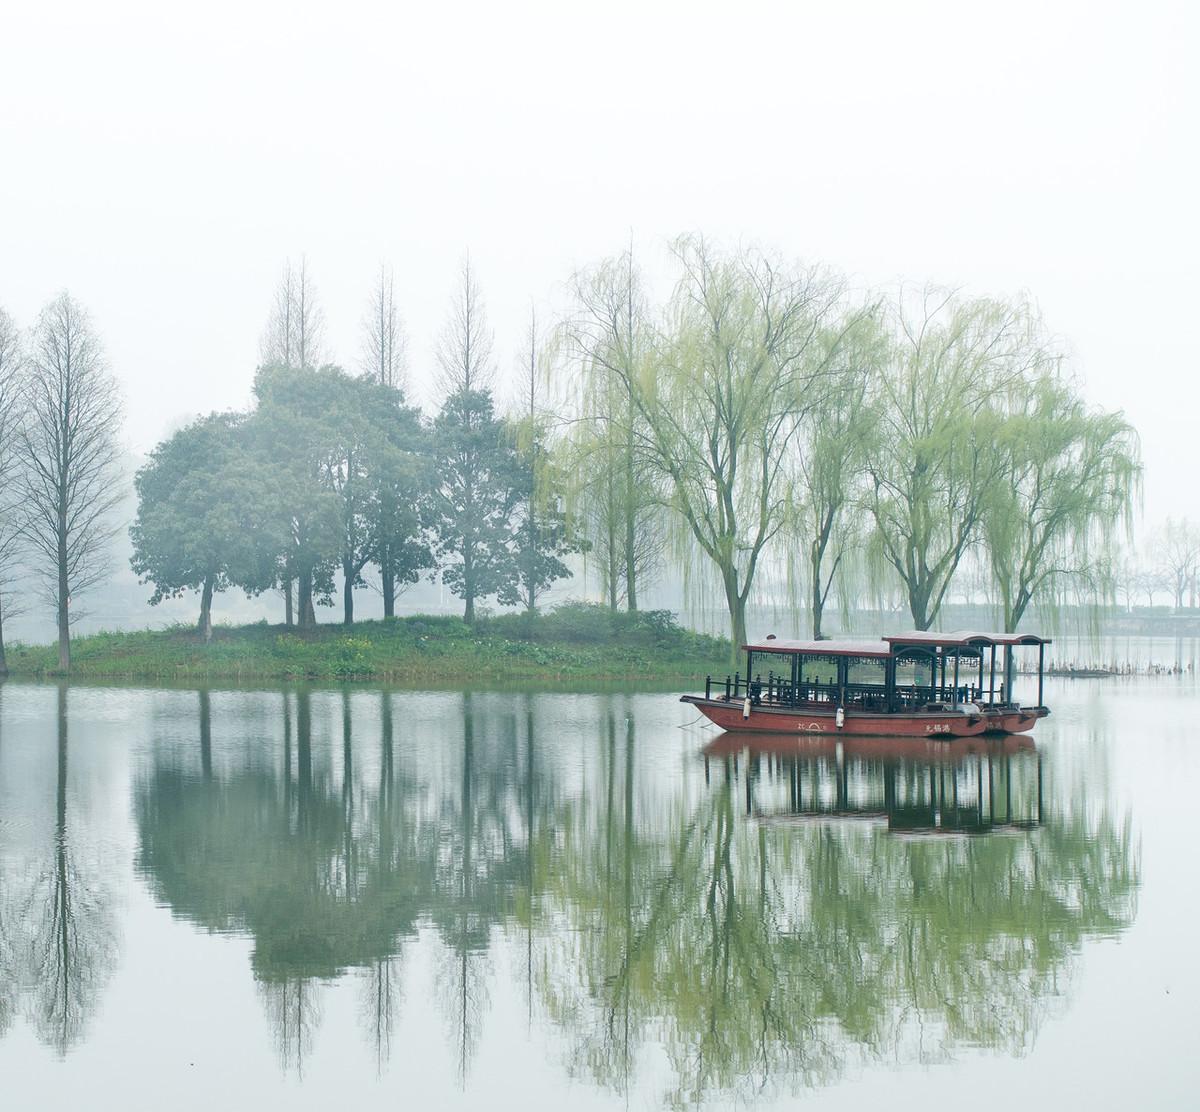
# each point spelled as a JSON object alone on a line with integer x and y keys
{"x": 368, "y": 899}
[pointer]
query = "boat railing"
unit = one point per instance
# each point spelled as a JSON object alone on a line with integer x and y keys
{"x": 779, "y": 691}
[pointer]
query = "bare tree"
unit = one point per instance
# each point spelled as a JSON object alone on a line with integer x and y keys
{"x": 464, "y": 352}
{"x": 296, "y": 326}
{"x": 293, "y": 339}
{"x": 67, "y": 447}
{"x": 384, "y": 343}
{"x": 1178, "y": 546}
{"x": 10, "y": 502}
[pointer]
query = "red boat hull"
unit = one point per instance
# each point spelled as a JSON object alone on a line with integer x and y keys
{"x": 732, "y": 715}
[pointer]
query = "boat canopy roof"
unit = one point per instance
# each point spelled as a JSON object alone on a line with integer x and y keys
{"x": 886, "y": 646}
{"x": 960, "y": 638}
{"x": 821, "y": 648}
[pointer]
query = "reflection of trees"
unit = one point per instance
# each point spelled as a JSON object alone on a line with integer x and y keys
{"x": 288, "y": 856}
{"x": 768, "y": 954}
{"x": 9, "y": 963}
{"x": 480, "y": 868}
{"x": 72, "y": 941}
{"x": 849, "y": 918}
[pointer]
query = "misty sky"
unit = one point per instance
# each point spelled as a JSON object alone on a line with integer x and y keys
{"x": 162, "y": 162}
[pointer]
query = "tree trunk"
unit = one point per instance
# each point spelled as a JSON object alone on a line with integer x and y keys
{"x": 205, "y": 736}
{"x": 918, "y": 605}
{"x": 3, "y": 661}
{"x": 612, "y": 568}
{"x": 347, "y": 594}
{"x": 737, "y": 615}
{"x": 818, "y": 599}
{"x": 64, "y": 599}
{"x": 631, "y": 600}
{"x": 288, "y": 619}
{"x": 468, "y": 587}
{"x": 304, "y": 600}
{"x": 389, "y": 586}
{"x": 818, "y": 608}
{"x": 204, "y": 625}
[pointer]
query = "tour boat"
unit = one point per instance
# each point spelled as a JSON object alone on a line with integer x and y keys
{"x": 918, "y": 684}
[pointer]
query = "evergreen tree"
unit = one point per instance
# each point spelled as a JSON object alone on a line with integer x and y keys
{"x": 475, "y": 500}
{"x": 296, "y": 429}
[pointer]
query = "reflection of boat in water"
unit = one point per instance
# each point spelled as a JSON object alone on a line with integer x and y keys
{"x": 910, "y": 785}
{"x": 915, "y": 684}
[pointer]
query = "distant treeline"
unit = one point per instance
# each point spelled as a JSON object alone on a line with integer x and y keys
{"x": 762, "y": 420}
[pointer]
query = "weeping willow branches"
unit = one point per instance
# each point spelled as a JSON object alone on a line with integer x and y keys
{"x": 1068, "y": 477}
{"x": 718, "y": 391}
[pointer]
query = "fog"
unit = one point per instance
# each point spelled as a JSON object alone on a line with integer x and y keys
{"x": 163, "y": 167}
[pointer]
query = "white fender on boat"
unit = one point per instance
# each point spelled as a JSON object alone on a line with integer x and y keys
{"x": 746, "y": 708}
{"x": 840, "y": 717}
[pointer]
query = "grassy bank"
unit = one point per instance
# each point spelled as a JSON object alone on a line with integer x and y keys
{"x": 573, "y": 642}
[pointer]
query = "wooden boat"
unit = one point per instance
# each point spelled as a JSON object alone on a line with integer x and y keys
{"x": 917, "y": 684}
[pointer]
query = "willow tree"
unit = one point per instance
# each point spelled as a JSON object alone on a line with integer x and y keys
{"x": 745, "y": 351}
{"x": 1068, "y": 478}
{"x": 610, "y": 338}
{"x": 839, "y": 439}
{"x": 952, "y": 366}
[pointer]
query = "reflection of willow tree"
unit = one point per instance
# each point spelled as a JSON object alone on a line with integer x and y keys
{"x": 767, "y": 955}
{"x": 479, "y": 873}
{"x": 72, "y": 939}
{"x": 290, "y": 857}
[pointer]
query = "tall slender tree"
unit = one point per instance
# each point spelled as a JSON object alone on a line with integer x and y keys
{"x": 293, "y": 339}
{"x": 295, "y": 427}
{"x": 610, "y": 337}
{"x": 545, "y": 532}
{"x": 10, "y": 502}
{"x": 464, "y": 350}
{"x": 384, "y": 344}
{"x": 476, "y": 498}
{"x": 294, "y": 335}
{"x": 69, "y": 455}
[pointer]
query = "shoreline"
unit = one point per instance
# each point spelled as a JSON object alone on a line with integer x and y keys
{"x": 595, "y": 646}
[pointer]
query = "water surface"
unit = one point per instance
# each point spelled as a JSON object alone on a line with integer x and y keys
{"x": 369, "y": 898}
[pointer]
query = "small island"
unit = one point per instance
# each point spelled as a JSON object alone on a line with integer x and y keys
{"x": 575, "y": 642}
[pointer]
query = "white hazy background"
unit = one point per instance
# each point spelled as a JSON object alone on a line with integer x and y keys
{"x": 163, "y": 162}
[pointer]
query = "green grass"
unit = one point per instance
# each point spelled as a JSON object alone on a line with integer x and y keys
{"x": 573, "y": 642}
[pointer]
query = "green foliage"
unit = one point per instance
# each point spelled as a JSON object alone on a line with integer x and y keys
{"x": 951, "y": 367}
{"x": 205, "y": 512}
{"x": 476, "y": 499}
{"x": 1067, "y": 479}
